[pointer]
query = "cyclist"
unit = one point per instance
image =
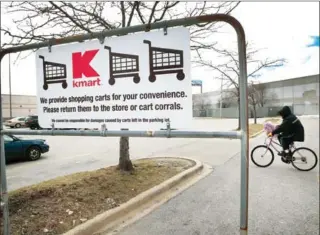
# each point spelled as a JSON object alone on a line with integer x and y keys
{"x": 290, "y": 130}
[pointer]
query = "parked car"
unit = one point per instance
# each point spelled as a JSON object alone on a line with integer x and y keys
{"x": 24, "y": 149}
{"x": 32, "y": 122}
{"x": 16, "y": 122}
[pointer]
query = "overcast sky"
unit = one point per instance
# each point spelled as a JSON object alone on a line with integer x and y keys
{"x": 285, "y": 29}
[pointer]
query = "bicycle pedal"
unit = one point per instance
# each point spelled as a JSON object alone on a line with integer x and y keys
{"x": 285, "y": 160}
{"x": 289, "y": 160}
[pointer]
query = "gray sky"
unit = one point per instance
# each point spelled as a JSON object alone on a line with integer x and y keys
{"x": 273, "y": 25}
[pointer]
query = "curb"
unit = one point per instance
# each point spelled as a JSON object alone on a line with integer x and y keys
{"x": 255, "y": 134}
{"x": 98, "y": 222}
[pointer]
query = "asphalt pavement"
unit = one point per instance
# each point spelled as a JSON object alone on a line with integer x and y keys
{"x": 74, "y": 154}
{"x": 282, "y": 200}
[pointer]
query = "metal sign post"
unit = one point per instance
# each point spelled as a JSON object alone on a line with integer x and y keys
{"x": 242, "y": 134}
{"x": 3, "y": 191}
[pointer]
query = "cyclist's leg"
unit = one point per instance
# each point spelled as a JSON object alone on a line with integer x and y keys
{"x": 280, "y": 138}
{"x": 286, "y": 141}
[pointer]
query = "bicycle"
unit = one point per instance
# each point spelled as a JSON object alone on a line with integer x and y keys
{"x": 270, "y": 143}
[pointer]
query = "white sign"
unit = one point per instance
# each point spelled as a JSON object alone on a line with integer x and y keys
{"x": 138, "y": 81}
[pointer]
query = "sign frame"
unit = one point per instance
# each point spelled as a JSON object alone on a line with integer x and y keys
{"x": 242, "y": 134}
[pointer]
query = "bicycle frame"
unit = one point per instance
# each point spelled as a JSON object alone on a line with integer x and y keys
{"x": 271, "y": 143}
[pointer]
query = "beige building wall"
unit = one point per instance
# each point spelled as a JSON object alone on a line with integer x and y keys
{"x": 301, "y": 93}
{"x": 22, "y": 105}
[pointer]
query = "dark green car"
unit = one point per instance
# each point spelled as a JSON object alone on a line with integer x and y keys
{"x": 23, "y": 149}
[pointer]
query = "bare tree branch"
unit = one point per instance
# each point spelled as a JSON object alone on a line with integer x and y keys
{"x": 123, "y": 14}
{"x": 165, "y": 10}
{"x": 40, "y": 21}
{"x": 267, "y": 64}
{"x": 153, "y": 11}
{"x": 229, "y": 69}
{"x": 135, "y": 4}
{"x": 140, "y": 14}
{"x": 70, "y": 17}
{"x": 224, "y": 73}
{"x": 98, "y": 8}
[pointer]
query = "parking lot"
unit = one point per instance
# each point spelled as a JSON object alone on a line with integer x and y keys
{"x": 282, "y": 200}
{"x": 73, "y": 154}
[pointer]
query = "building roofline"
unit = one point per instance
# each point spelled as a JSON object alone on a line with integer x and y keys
{"x": 17, "y": 95}
{"x": 288, "y": 79}
{"x": 217, "y": 92}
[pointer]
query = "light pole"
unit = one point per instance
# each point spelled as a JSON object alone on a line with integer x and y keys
{"x": 10, "y": 101}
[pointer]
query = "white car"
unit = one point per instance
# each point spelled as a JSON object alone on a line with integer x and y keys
{"x": 16, "y": 122}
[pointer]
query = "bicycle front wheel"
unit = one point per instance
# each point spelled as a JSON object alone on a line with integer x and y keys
{"x": 304, "y": 159}
{"x": 262, "y": 153}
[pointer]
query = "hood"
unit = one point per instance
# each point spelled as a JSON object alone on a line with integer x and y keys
{"x": 285, "y": 112}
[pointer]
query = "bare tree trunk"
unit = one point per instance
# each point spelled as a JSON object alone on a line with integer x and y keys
{"x": 89, "y": 17}
{"x": 255, "y": 114}
{"x": 125, "y": 163}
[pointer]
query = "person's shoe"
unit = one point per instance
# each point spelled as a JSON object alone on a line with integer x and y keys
{"x": 282, "y": 153}
{"x": 288, "y": 157}
{"x": 284, "y": 159}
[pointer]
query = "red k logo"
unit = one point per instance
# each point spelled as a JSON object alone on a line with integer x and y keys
{"x": 81, "y": 64}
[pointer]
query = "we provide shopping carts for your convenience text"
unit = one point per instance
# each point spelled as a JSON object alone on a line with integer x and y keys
{"x": 123, "y": 65}
{"x": 165, "y": 61}
{"x": 53, "y": 73}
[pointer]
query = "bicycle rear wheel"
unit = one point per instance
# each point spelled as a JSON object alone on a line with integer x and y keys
{"x": 302, "y": 156}
{"x": 261, "y": 152}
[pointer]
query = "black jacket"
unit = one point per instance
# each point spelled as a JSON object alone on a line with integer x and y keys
{"x": 290, "y": 125}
